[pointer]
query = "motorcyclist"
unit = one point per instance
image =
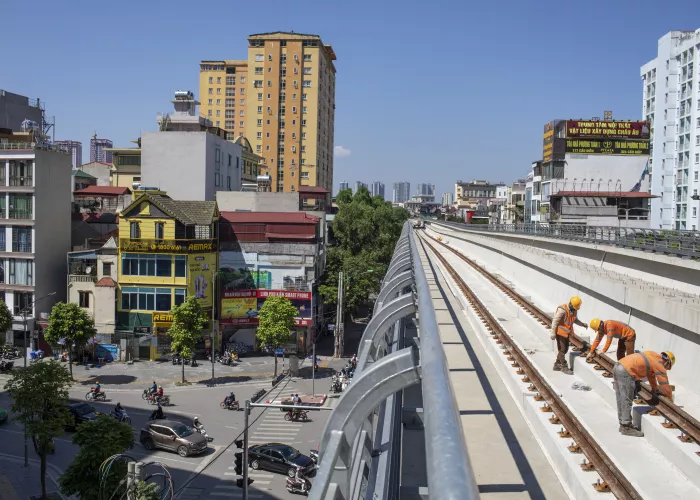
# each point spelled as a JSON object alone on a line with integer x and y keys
{"x": 158, "y": 412}
{"x": 154, "y": 387}
{"x": 96, "y": 389}
{"x": 118, "y": 411}
{"x": 197, "y": 424}
{"x": 159, "y": 393}
{"x": 230, "y": 399}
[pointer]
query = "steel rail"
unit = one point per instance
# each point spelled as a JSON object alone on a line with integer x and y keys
{"x": 684, "y": 421}
{"x": 608, "y": 471}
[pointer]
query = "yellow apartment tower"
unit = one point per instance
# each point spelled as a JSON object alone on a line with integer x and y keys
{"x": 287, "y": 107}
{"x": 222, "y": 90}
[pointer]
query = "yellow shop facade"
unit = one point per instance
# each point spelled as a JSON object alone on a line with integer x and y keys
{"x": 168, "y": 250}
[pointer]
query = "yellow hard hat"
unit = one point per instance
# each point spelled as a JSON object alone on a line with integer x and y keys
{"x": 595, "y": 324}
{"x": 671, "y": 356}
{"x": 575, "y": 302}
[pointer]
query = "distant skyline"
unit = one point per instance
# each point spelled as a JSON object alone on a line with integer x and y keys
{"x": 487, "y": 105}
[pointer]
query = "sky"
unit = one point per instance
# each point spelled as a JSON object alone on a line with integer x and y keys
{"x": 425, "y": 91}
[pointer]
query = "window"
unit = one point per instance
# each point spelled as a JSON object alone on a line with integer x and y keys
{"x": 242, "y": 91}
{"x": 147, "y": 265}
{"x": 180, "y": 295}
{"x": 303, "y": 149}
{"x": 218, "y": 91}
{"x": 259, "y": 58}
{"x": 218, "y": 112}
{"x": 243, "y": 79}
{"x": 294, "y": 135}
{"x": 211, "y": 91}
{"x": 283, "y": 57}
{"x": 230, "y": 92}
{"x": 697, "y": 158}
{"x": 21, "y": 272}
{"x": 260, "y": 109}
{"x": 696, "y": 176}
{"x": 303, "y": 123}
{"x": 242, "y": 102}
{"x": 294, "y": 109}
{"x": 259, "y": 123}
{"x": 267, "y": 148}
{"x": 267, "y": 134}
{"x": 211, "y": 102}
{"x": 303, "y": 135}
{"x": 211, "y": 79}
{"x": 242, "y": 113}
{"x": 23, "y": 301}
{"x": 107, "y": 268}
{"x": 218, "y": 102}
{"x": 257, "y": 84}
{"x": 230, "y": 103}
{"x": 259, "y": 135}
{"x": 258, "y": 70}
{"x": 209, "y": 113}
{"x": 241, "y": 123}
{"x": 160, "y": 230}
{"x": 258, "y": 148}
{"x": 307, "y": 71}
{"x": 260, "y": 96}
{"x": 230, "y": 113}
{"x": 21, "y": 239}
{"x": 306, "y": 84}
{"x": 269, "y": 57}
{"x": 218, "y": 123}
{"x": 303, "y": 97}
{"x": 180, "y": 266}
{"x": 304, "y": 176}
{"x": 135, "y": 231}
{"x": 294, "y": 150}
{"x": 218, "y": 80}
{"x": 84, "y": 299}
{"x": 307, "y": 57}
{"x": 21, "y": 206}
{"x": 303, "y": 109}
{"x": 302, "y": 162}
{"x": 269, "y": 83}
{"x": 230, "y": 80}
{"x": 695, "y": 211}
{"x": 146, "y": 299}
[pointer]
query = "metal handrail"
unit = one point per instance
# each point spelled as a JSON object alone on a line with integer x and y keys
{"x": 450, "y": 474}
{"x": 673, "y": 242}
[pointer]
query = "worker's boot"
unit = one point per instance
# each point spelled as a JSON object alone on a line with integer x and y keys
{"x": 557, "y": 366}
{"x": 629, "y": 430}
{"x": 565, "y": 369}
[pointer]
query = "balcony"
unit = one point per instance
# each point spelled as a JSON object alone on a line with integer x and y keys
{"x": 82, "y": 278}
{"x": 21, "y": 246}
{"x": 17, "y": 213}
{"x": 24, "y": 181}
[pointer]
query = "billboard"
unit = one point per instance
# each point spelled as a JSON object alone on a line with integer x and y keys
{"x": 200, "y": 277}
{"x": 241, "y": 307}
{"x": 552, "y": 144}
{"x": 167, "y": 246}
{"x": 597, "y": 128}
{"x": 607, "y": 147}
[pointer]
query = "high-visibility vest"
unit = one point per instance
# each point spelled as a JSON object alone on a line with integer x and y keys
{"x": 650, "y": 365}
{"x": 566, "y": 325}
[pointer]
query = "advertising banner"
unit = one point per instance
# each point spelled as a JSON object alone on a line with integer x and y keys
{"x": 241, "y": 307}
{"x": 552, "y": 142}
{"x": 167, "y": 246}
{"x": 607, "y": 147}
{"x": 200, "y": 277}
{"x": 587, "y": 128}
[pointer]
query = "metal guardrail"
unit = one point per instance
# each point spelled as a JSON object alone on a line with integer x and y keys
{"x": 360, "y": 451}
{"x": 680, "y": 243}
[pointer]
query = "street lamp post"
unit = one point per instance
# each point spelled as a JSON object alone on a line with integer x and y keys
{"x": 26, "y": 354}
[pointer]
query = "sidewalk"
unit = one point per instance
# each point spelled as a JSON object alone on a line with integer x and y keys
{"x": 20, "y": 483}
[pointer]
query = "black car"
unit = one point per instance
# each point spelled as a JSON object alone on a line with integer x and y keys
{"x": 80, "y": 413}
{"x": 277, "y": 457}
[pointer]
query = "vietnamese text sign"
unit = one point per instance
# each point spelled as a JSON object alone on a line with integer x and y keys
{"x": 630, "y": 130}
{"x": 167, "y": 246}
{"x": 200, "y": 274}
{"x": 607, "y": 147}
{"x": 239, "y": 307}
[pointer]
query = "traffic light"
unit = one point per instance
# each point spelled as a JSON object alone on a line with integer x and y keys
{"x": 239, "y": 482}
{"x": 239, "y": 462}
{"x": 238, "y": 443}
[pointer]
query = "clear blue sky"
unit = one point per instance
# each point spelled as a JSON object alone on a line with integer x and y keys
{"x": 426, "y": 91}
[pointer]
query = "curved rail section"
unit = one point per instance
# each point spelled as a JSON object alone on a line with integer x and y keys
{"x": 360, "y": 448}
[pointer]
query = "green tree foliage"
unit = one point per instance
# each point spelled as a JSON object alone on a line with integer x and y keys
{"x": 39, "y": 395}
{"x": 147, "y": 491}
{"x": 188, "y": 321}
{"x": 366, "y": 229}
{"x": 70, "y": 322}
{"x": 5, "y": 320}
{"x": 275, "y": 320}
{"x": 98, "y": 440}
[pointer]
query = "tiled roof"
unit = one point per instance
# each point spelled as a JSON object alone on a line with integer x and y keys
{"x": 312, "y": 189}
{"x": 605, "y": 194}
{"x": 80, "y": 173}
{"x": 270, "y": 217}
{"x": 290, "y": 236}
{"x": 106, "y": 281}
{"x": 199, "y": 213}
{"x": 103, "y": 191}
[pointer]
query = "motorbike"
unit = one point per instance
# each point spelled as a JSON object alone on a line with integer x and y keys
{"x": 147, "y": 393}
{"x": 296, "y": 415}
{"x": 314, "y": 456}
{"x": 154, "y": 416}
{"x": 177, "y": 360}
{"x": 193, "y": 362}
{"x": 96, "y": 396}
{"x": 300, "y": 485}
{"x": 336, "y": 385}
{"x": 235, "y": 405}
{"x": 203, "y": 432}
{"x": 6, "y": 366}
{"x": 154, "y": 400}
{"x": 124, "y": 417}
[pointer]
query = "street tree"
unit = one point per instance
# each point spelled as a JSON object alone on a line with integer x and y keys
{"x": 188, "y": 321}
{"x": 5, "y": 320}
{"x": 98, "y": 440}
{"x": 70, "y": 324}
{"x": 39, "y": 395}
{"x": 147, "y": 491}
{"x": 275, "y": 321}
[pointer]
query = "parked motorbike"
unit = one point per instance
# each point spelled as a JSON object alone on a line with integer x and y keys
{"x": 296, "y": 415}
{"x": 299, "y": 485}
{"x": 96, "y": 396}
{"x": 235, "y": 405}
{"x": 6, "y": 366}
{"x": 177, "y": 360}
{"x": 124, "y": 417}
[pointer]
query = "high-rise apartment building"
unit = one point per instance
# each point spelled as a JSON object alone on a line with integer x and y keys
{"x": 98, "y": 149}
{"x": 671, "y": 102}
{"x": 222, "y": 90}
{"x": 447, "y": 199}
{"x": 344, "y": 185}
{"x": 425, "y": 189}
{"x": 358, "y": 185}
{"x": 290, "y": 108}
{"x": 377, "y": 189}
{"x": 401, "y": 192}
{"x": 75, "y": 148}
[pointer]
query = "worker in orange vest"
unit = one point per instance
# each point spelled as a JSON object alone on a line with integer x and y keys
{"x": 613, "y": 329}
{"x": 565, "y": 317}
{"x": 629, "y": 371}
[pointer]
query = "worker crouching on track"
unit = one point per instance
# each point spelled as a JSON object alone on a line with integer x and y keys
{"x": 628, "y": 372}
{"x": 613, "y": 329}
{"x": 562, "y": 326}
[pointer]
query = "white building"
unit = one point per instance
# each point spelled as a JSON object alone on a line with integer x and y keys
{"x": 187, "y": 159}
{"x": 35, "y": 208}
{"x": 344, "y": 185}
{"x": 671, "y": 102}
{"x": 401, "y": 192}
{"x": 447, "y": 199}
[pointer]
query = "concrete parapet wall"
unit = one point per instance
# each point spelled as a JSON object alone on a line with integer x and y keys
{"x": 661, "y": 323}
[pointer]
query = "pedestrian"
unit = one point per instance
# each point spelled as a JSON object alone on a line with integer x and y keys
{"x": 563, "y": 322}
{"x": 625, "y": 335}
{"x": 628, "y": 372}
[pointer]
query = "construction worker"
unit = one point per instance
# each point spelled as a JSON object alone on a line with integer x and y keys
{"x": 613, "y": 329}
{"x": 562, "y": 326}
{"x": 628, "y": 372}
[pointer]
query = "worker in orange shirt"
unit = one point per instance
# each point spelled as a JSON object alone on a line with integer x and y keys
{"x": 563, "y": 322}
{"x": 625, "y": 336}
{"x": 632, "y": 369}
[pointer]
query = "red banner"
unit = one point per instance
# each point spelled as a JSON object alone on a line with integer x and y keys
{"x": 263, "y": 294}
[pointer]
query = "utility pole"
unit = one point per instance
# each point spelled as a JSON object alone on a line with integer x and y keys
{"x": 213, "y": 323}
{"x": 245, "y": 450}
{"x": 338, "y": 315}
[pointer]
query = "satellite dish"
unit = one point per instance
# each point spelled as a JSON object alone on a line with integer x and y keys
{"x": 88, "y": 269}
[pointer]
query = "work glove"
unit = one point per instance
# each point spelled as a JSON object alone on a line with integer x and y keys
{"x": 654, "y": 400}
{"x": 590, "y": 356}
{"x": 553, "y": 335}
